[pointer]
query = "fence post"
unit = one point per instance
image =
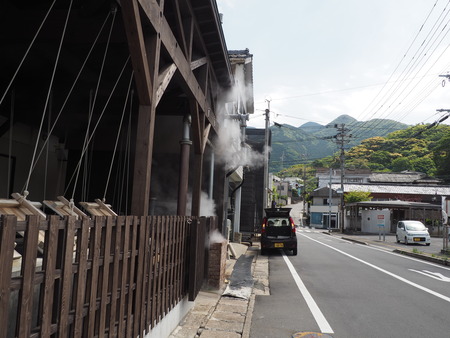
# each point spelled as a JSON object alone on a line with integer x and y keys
{"x": 192, "y": 275}
{"x": 7, "y": 235}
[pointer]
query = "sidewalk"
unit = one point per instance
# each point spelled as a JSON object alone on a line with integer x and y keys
{"x": 217, "y": 316}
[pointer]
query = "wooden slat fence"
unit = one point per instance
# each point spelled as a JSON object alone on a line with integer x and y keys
{"x": 101, "y": 277}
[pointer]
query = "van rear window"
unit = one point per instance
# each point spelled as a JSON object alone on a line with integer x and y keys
{"x": 278, "y": 222}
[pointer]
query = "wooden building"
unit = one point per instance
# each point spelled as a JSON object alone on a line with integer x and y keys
{"x": 117, "y": 101}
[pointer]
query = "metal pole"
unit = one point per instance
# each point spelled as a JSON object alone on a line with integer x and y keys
{"x": 184, "y": 167}
{"x": 266, "y": 157}
{"x": 329, "y": 201}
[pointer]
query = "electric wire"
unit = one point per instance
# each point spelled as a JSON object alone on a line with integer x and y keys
{"x": 118, "y": 135}
{"x": 405, "y": 73}
{"x": 98, "y": 122}
{"x": 27, "y": 51}
{"x": 86, "y": 143}
{"x": 398, "y": 66}
{"x": 69, "y": 93}
{"x": 25, "y": 192}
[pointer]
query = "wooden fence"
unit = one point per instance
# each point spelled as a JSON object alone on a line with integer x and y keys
{"x": 105, "y": 277}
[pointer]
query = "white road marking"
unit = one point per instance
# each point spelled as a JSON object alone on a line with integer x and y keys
{"x": 318, "y": 315}
{"x": 435, "y": 275}
{"x": 434, "y": 293}
{"x": 388, "y": 251}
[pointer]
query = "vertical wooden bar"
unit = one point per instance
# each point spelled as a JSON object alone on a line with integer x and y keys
{"x": 92, "y": 282}
{"x": 155, "y": 260}
{"x": 145, "y": 280}
{"x": 25, "y": 300}
{"x": 106, "y": 239}
{"x": 49, "y": 266}
{"x": 186, "y": 228}
{"x": 7, "y": 235}
{"x": 157, "y": 288}
{"x": 171, "y": 250}
{"x": 124, "y": 275}
{"x": 66, "y": 276}
{"x": 132, "y": 284}
{"x": 138, "y": 330}
{"x": 115, "y": 274}
{"x": 165, "y": 269}
{"x": 151, "y": 271}
{"x": 179, "y": 238}
{"x": 193, "y": 248}
{"x": 80, "y": 294}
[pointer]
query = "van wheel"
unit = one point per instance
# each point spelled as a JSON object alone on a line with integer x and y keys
{"x": 398, "y": 241}
{"x": 406, "y": 240}
{"x": 294, "y": 252}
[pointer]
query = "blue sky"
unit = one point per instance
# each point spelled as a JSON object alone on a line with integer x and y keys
{"x": 318, "y": 59}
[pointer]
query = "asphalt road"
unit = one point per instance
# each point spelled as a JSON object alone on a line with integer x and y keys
{"x": 344, "y": 289}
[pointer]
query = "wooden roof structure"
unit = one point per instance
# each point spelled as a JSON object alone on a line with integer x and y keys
{"x": 174, "y": 51}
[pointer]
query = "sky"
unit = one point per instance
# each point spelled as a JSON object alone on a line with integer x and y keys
{"x": 314, "y": 60}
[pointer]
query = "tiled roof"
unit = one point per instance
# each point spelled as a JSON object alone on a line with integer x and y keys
{"x": 396, "y": 189}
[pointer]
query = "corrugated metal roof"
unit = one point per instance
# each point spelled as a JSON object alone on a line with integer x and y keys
{"x": 396, "y": 189}
{"x": 395, "y": 205}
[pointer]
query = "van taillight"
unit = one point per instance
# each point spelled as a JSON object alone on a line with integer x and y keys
{"x": 292, "y": 224}
{"x": 263, "y": 228}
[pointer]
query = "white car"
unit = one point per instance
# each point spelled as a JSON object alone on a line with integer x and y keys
{"x": 412, "y": 232}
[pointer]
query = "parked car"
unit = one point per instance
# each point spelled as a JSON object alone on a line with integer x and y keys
{"x": 412, "y": 232}
{"x": 278, "y": 230}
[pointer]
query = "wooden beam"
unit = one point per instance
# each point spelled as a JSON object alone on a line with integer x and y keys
{"x": 198, "y": 122}
{"x": 145, "y": 52}
{"x": 180, "y": 27}
{"x": 164, "y": 80}
{"x": 135, "y": 37}
{"x": 160, "y": 24}
{"x": 199, "y": 62}
{"x": 143, "y": 161}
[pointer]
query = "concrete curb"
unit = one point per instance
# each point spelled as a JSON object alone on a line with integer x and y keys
{"x": 423, "y": 256}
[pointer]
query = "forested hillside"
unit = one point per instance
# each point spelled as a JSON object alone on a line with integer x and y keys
{"x": 311, "y": 141}
{"x": 418, "y": 148}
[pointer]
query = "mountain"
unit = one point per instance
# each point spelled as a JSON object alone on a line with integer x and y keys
{"x": 294, "y": 145}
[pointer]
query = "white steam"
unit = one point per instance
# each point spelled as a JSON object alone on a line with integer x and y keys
{"x": 207, "y": 206}
{"x": 215, "y": 237}
{"x": 230, "y": 149}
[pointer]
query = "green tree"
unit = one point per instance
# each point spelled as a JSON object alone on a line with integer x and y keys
{"x": 357, "y": 196}
{"x": 401, "y": 164}
{"x": 441, "y": 157}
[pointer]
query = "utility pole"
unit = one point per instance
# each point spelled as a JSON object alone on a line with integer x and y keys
{"x": 304, "y": 195}
{"x": 342, "y": 138}
{"x": 266, "y": 157}
{"x": 330, "y": 200}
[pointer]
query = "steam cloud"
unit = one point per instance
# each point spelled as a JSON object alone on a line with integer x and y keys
{"x": 231, "y": 152}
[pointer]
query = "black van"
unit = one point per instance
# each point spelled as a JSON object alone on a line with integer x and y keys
{"x": 278, "y": 230}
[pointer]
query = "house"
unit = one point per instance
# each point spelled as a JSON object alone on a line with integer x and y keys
{"x": 406, "y": 194}
{"x": 324, "y": 208}
{"x": 325, "y": 175}
{"x": 405, "y": 201}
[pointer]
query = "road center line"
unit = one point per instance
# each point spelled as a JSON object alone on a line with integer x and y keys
{"x": 447, "y": 299}
{"x": 318, "y": 315}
